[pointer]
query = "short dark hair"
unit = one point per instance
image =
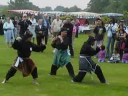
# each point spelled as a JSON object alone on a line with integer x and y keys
{"x": 63, "y": 29}
{"x": 27, "y": 35}
{"x": 102, "y": 47}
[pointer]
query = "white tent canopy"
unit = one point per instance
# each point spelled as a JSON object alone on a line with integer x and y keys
{"x": 24, "y": 11}
{"x": 112, "y": 14}
{"x": 84, "y": 14}
{"x": 78, "y": 14}
{"x": 54, "y": 12}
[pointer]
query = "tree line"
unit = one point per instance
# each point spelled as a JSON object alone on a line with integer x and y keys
{"x": 26, "y": 4}
{"x": 100, "y": 6}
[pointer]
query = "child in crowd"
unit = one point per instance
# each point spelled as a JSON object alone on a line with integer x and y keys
{"x": 102, "y": 54}
{"x": 125, "y": 56}
{"x": 115, "y": 57}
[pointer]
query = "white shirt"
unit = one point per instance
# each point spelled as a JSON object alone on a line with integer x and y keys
{"x": 40, "y": 26}
{"x": 111, "y": 29}
{"x": 56, "y": 25}
{"x": 33, "y": 21}
{"x": 115, "y": 57}
{"x": 8, "y": 25}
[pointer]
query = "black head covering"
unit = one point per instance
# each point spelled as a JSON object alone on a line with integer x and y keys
{"x": 63, "y": 29}
{"x": 27, "y": 35}
{"x": 91, "y": 39}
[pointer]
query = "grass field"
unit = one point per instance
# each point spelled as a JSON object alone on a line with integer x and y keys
{"x": 60, "y": 85}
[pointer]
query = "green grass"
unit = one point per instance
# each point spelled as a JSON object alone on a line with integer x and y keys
{"x": 60, "y": 85}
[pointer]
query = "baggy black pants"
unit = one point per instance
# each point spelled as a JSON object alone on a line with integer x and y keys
{"x": 12, "y": 72}
{"x": 69, "y": 67}
{"x": 98, "y": 72}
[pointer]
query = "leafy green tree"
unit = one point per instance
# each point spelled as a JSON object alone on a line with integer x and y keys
{"x": 117, "y": 6}
{"x": 47, "y": 8}
{"x": 66, "y": 9}
{"x": 124, "y": 5}
{"x": 74, "y": 9}
{"x": 21, "y": 4}
{"x": 4, "y": 11}
{"x": 97, "y": 5}
{"x": 59, "y": 8}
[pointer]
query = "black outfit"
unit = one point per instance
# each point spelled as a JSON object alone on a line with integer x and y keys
{"x": 99, "y": 36}
{"x": 46, "y": 29}
{"x": 24, "y": 26}
{"x": 69, "y": 27}
{"x": 120, "y": 44}
{"x": 15, "y": 23}
{"x": 1, "y": 28}
{"x": 62, "y": 47}
{"x": 77, "y": 29}
{"x": 39, "y": 36}
{"x": 126, "y": 41}
{"x": 24, "y": 50}
{"x": 86, "y": 64}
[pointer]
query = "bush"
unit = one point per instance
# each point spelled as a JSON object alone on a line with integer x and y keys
{"x": 64, "y": 17}
{"x": 106, "y": 19}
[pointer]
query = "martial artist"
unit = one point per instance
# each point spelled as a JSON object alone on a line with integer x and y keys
{"x": 86, "y": 64}
{"x": 61, "y": 57}
{"x": 23, "y": 63}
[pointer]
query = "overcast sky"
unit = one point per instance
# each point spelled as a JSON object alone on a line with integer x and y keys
{"x": 53, "y": 3}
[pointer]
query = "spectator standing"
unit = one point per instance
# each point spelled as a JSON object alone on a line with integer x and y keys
{"x": 120, "y": 40}
{"x": 1, "y": 27}
{"x": 32, "y": 27}
{"x": 8, "y": 32}
{"x": 46, "y": 24}
{"x": 40, "y": 31}
{"x": 24, "y": 23}
{"x": 99, "y": 32}
{"x": 56, "y": 26}
{"x": 77, "y": 24}
{"x": 69, "y": 26}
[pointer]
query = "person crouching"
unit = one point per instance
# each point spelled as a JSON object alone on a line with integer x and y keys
{"x": 86, "y": 64}
{"x": 102, "y": 54}
{"x": 23, "y": 63}
{"x": 125, "y": 56}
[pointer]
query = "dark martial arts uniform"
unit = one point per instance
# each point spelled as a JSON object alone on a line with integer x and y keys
{"x": 23, "y": 63}
{"x": 61, "y": 56}
{"x": 86, "y": 64}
